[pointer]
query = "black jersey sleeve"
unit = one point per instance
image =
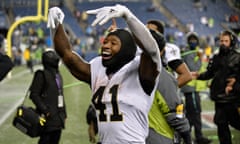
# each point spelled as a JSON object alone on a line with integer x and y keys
{"x": 175, "y": 63}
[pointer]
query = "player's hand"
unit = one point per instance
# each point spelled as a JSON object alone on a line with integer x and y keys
{"x": 91, "y": 133}
{"x": 194, "y": 74}
{"x": 55, "y": 17}
{"x": 230, "y": 83}
{"x": 108, "y": 12}
{"x": 113, "y": 27}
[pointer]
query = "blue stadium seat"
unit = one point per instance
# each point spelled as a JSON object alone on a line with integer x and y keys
{"x": 4, "y": 23}
{"x": 185, "y": 11}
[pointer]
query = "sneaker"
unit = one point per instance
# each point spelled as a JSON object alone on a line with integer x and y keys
{"x": 203, "y": 140}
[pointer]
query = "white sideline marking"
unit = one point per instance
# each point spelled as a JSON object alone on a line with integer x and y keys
{"x": 13, "y": 108}
{"x": 17, "y": 75}
{"x": 12, "y": 77}
{"x": 10, "y": 111}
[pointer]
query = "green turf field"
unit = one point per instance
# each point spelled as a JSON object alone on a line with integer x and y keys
{"x": 77, "y": 97}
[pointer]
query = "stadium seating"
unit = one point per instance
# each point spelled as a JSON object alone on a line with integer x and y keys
{"x": 4, "y": 23}
{"x": 187, "y": 12}
{"x": 184, "y": 10}
{"x": 69, "y": 19}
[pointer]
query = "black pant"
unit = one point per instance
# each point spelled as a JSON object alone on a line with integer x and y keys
{"x": 226, "y": 114}
{"x": 52, "y": 137}
{"x": 193, "y": 112}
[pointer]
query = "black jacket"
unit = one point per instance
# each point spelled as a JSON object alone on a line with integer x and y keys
{"x": 221, "y": 67}
{"x": 44, "y": 94}
{"x": 6, "y": 65}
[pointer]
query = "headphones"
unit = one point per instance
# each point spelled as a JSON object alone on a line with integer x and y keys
{"x": 232, "y": 36}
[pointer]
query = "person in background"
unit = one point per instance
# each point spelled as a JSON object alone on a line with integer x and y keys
{"x": 171, "y": 55}
{"x": 192, "y": 98}
{"x": 123, "y": 84}
{"x": 224, "y": 70}
{"x": 28, "y": 59}
{"x": 46, "y": 92}
{"x": 166, "y": 116}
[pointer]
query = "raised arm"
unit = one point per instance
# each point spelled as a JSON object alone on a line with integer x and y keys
{"x": 139, "y": 30}
{"x": 144, "y": 36}
{"x": 76, "y": 65}
{"x": 150, "y": 65}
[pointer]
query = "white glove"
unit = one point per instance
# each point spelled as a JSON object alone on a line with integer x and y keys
{"x": 108, "y": 12}
{"x": 55, "y": 17}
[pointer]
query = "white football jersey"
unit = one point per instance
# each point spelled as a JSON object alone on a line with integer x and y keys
{"x": 172, "y": 52}
{"x": 121, "y": 103}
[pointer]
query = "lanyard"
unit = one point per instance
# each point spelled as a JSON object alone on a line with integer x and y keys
{"x": 60, "y": 96}
{"x": 59, "y": 83}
